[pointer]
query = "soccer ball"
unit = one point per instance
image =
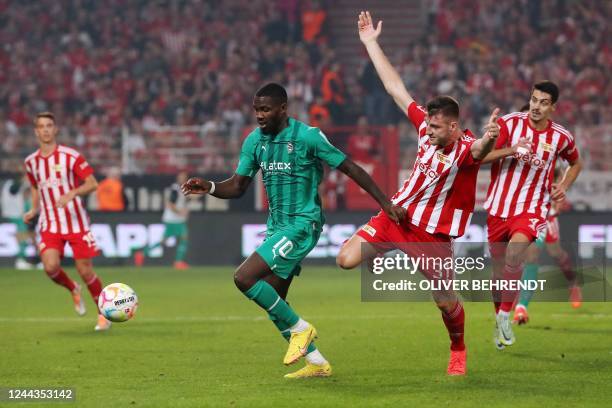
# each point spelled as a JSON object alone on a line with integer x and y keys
{"x": 118, "y": 302}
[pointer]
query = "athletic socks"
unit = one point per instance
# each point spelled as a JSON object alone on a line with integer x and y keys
{"x": 148, "y": 249}
{"x": 181, "y": 249}
{"x": 530, "y": 273}
{"x": 567, "y": 267}
{"x": 496, "y": 295}
{"x": 266, "y": 297}
{"x": 22, "y": 249}
{"x": 62, "y": 279}
{"x": 454, "y": 321}
{"x": 315, "y": 357}
{"x": 511, "y": 273}
{"x": 300, "y": 326}
{"x": 94, "y": 285}
{"x": 285, "y": 331}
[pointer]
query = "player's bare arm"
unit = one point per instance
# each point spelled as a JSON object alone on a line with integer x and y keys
{"x": 233, "y": 187}
{"x": 483, "y": 146}
{"x": 497, "y": 154}
{"x": 570, "y": 175}
{"x": 32, "y": 212}
{"x": 363, "y": 179}
{"x": 388, "y": 75}
{"x": 89, "y": 185}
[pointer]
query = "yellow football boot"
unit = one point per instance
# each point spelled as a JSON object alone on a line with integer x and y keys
{"x": 312, "y": 370}
{"x": 298, "y": 344}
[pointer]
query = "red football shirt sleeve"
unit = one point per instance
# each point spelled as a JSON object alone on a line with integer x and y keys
{"x": 468, "y": 159}
{"x": 82, "y": 169}
{"x": 31, "y": 177}
{"x": 416, "y": 114}
{"x": 570, "y": 152}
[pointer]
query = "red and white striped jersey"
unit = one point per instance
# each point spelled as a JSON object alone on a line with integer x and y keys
{"x": 54, "y": 176}
{"x": 522, "y": 183}
{"x": 440, "y": 192}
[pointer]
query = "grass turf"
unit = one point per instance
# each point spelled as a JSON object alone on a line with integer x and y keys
{"x": 196, "y": 341}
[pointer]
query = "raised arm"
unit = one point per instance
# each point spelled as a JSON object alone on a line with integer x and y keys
{"x": 388, "y": 75}
{"x": 233, "y": 187}
{"x": 363, "y": 179}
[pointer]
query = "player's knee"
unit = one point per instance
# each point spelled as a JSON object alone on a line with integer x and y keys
{"x": 515, "y": 255}
{"x": 86, "y": 275}
{"x": 242, "y": 281}
{"x": 51, "y": 267}
{"x": 445, "y": 300}
{"x": 344, "y": 259}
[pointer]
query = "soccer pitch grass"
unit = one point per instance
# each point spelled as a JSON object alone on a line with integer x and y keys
{"x": 196, "y": 341}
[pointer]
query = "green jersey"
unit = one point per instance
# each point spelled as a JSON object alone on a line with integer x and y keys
{"x": 292, "y": 168}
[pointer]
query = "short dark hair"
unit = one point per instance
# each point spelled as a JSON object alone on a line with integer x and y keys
{"x": 548, "y": 87}
{"x": 445, "y": 105}
{"x": 47, "y": 115}
{"x": 273, "y": 90}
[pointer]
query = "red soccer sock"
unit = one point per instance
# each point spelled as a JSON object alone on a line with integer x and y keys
{"x": 95, "y": 287}
{"x": 454, "y": 322}
{"x": 565, "y": 263}
{"x": 62, "y": 279}
{"x": 511, "y": 273}
{"x": 496, "y": 295}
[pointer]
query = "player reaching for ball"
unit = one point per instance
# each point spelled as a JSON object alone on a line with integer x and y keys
{"x": 290, "y": 155}
{"x": 438, "y": 196}
{"x": 59, "y": 176}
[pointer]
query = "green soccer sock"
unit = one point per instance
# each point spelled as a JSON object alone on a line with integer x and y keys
{"x": 181, "y": 249}
{"x": 266, "y": 297}
{"x": 22, "y": 249}
{"x": 286, "y": 333}
{"x": 530, "y": 273}
{"x": 149, "y": 249}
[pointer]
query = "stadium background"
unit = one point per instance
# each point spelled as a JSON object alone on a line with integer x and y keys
{"x": 153, "y": 87}
{"x": 156, "y": 87}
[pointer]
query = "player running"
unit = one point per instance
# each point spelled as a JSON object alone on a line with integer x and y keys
{"x": 59, "y": 176}
{"x": 438, "y": 195}
{"x": 14, "y": 203}
{"x": 521, "y": 190}
{"x": 549, "y": 238}
{"x": 290, "y": 155}
{"x": 174, "y": 218}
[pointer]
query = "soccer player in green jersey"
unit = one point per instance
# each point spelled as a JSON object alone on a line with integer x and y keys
{"x": 290, "y": 155}
{"x": 174, "y": 218}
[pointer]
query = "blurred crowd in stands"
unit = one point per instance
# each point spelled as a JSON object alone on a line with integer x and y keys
{"x": 102, "y": 66}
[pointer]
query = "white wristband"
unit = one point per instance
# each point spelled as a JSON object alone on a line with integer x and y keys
{"x": 212, "y": 187}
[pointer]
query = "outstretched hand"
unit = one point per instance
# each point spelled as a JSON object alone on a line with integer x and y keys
{"x": 367, "y": 32}
{"x": 195, "y": 185}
